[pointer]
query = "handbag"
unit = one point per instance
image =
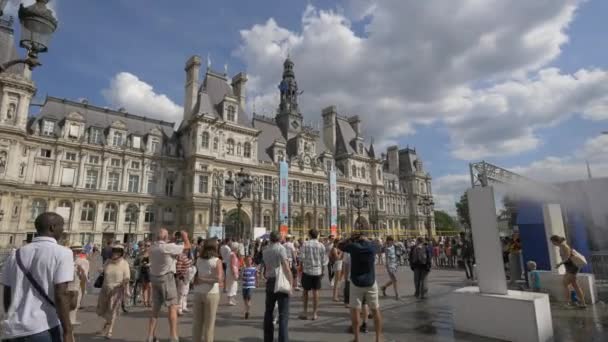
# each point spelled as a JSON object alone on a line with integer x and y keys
{"x": 281, "y": 284}
{"x": 578, "y": 259}
{"x": 99, "y": 281}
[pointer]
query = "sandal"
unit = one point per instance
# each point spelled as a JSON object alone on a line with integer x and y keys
{"x": 303, "y": 317}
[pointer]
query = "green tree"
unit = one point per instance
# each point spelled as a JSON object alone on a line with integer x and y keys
{"x": 462, "y": 209}
{"x": 444, "y": 222}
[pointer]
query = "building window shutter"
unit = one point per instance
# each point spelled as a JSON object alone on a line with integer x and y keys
{"x": 42, "y": 174}
{"x": 67, "y": 177}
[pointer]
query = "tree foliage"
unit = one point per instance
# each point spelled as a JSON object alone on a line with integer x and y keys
{"x": 444, "y": 222}
{"x": 462, "y": 209}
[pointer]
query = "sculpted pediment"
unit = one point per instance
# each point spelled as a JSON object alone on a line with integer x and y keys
{"x": 118, "y": 124}
{"x": 75, "y": 116}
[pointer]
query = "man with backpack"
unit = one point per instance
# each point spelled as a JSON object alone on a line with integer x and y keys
{"x": 420, "y": 263}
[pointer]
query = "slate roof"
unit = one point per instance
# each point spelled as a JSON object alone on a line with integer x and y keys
{"x": 344, "y": 137}
{"x": 270, "y": 133}
{"x": 59, "y": 109}
{"x": 211, "y": 93}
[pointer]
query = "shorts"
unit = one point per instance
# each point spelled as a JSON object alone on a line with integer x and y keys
{"x": 363, "y": 295}
{"x": 164, "y": 291}
{"x": 247, "y": 293}
{"x": 310, "y": 282}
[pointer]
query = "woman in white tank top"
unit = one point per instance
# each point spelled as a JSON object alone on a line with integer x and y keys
{"x": 210, "y": 275}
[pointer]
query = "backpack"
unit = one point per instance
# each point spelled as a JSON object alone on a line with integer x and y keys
{"x": 419, "y": 256}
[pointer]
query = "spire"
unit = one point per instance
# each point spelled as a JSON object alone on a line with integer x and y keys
{"x": 208, "y": 61}
{"x": 588, "y": 170}
{"x": 289, "y": 88}
{"x": 372, "y": 153}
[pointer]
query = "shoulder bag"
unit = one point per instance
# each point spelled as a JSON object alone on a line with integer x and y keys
{"x": 282, "y": 283}
{"x": 73, "y": 295}
{"x": 578, "y": 259}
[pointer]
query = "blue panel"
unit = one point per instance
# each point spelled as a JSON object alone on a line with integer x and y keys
{"x": 532, "y": 234}
{"x": 578, "y": 237}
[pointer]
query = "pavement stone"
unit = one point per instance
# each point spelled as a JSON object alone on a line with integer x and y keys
{"x": 405, "y": 320}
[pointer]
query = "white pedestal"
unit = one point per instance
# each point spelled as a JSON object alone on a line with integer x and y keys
{"x": 552, "y": 282}
{"x": 517, "y": 316}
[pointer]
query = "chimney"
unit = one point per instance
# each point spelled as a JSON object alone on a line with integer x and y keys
{"x": 193, "y": 67}
{"x": 393, "y": 159}
{"x": 355, "y": 123}
{"x": 239, "y": 87}
{"x": 329, "y": 127}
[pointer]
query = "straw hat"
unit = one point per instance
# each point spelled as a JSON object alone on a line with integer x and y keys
{"x": 76, "y": 246}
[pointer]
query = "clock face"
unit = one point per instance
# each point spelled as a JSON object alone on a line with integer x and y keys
{"x": 295, "y": 124}
{"x": 307, "y": 160}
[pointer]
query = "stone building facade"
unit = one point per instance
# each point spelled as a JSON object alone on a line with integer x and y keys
{"x": 114, "y": 174}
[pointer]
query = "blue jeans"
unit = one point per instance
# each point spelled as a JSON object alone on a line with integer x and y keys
{"x": 283, "y": 301}
{"x": 51, "y": 335}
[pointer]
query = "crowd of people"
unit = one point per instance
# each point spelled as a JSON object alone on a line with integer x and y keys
{"x": 163, "y": 272}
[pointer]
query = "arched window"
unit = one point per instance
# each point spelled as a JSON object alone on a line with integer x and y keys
{"x": 109, "y": 214}
{"x": 354, "y": 171}
{"x": 215, "y": 143}
{"x": 238, "y": 149}
{"x": 231, "y": 113}
{"x": 247, "y": 150}
{"x": 149, "y": 215}
{"x": 205, "y": 140}
{"x": 38, "y": 207}
{"x": 362, "y": 172}
{"x": 230, "y": 147}
{"x": 88, "y": 212}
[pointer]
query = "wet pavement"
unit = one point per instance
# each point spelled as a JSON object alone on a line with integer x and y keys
{"x": 405, "y": 320}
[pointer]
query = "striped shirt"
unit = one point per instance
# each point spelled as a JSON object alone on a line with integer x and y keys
{"x": 183, "y": 266}
{"x": 249, "y": 275}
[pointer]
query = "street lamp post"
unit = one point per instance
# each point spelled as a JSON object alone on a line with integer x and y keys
{"x": 426, "y": 204}
{"x": 133, "y": 213}
{"x": 359, "y": 199}
{"x": 239, "y": 186}
{"x": 37, "y": 26}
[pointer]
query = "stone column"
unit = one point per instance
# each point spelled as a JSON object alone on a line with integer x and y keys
{"x": 104, "y": 170}
{"x": 81, "y": 173}
{"x": 488, "y": 251}
{"x": 99, "y": 211}
{"x": 55, "y": 181}
{"x": 125, "y": 177}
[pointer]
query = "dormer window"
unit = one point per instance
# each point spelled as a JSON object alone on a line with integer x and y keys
{"x": 48, "y": 128}
{"x": 117, "y": 139}
{"x": 136, "y": 142}
{"x": 231, "y": 113}
{"x": 361, "y": 148}
{"x": 362, "y": 172}
{"x": 280, "y": 155}
{"x": 95, "y": 136}
{"x": 74, "y": 131}
{"x": 154, "y": 145}
{"x": 354, "y": 171}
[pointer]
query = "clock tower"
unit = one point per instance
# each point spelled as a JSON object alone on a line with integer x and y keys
{"x": 289, "y": 119}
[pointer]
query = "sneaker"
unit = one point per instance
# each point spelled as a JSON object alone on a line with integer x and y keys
{"x": 363, "y": 328}
{"x": 186, "y": 310}
{"x": 383, "y": 291}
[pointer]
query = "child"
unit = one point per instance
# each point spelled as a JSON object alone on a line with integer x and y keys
{"x": 249, "y": 283}
{"x": 533, "y": 277}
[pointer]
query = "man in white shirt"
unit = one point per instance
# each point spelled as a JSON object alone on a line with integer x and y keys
{"x": 37, "y": 306}
{"x": 163, "y": 257}
{"x": 314, "y": 259}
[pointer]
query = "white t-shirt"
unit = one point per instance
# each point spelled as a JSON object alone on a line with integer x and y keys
{"x": 225, "y": 253}
{"x": 163, "y": 257}
{"x": 50, "y": 264}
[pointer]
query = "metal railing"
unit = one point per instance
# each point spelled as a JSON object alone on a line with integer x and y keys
{"x": 599, "y": 264}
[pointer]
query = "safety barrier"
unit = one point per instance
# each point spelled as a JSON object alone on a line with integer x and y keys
{"x": 599, "y": 265}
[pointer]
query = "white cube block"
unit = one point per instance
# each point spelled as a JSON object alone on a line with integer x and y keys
{"x": 517, "y": 316}
{"x": 552, "y": 282}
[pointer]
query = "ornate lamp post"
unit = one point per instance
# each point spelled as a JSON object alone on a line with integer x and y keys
{"x": 133, "y": 214}
{"x": 37, "y": 26}
{"x": 359, "y": 200}
{"x": 426, "y": 205}
{"x": 239, "y": 186}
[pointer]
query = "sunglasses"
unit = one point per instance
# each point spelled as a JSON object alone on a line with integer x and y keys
{"x": 148, "y": 245}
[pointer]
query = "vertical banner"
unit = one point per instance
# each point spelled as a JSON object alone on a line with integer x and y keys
{"x": 333, "y": 202}
{"x": 283, "y": 197}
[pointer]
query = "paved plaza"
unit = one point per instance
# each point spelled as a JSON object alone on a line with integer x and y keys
{"x": 405, "y": 320}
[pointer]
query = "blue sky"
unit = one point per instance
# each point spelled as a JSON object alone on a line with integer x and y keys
{"x": 519, "y": 83}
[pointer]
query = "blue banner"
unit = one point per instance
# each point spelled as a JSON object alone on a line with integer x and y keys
{"x": 283, "y": 192}
{"x": 215, "y": 232}
{"x": 333, "y": 201}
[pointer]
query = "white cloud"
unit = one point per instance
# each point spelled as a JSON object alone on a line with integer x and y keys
{"x": 138, "y": 97}
{"x": 479, "y": 67}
